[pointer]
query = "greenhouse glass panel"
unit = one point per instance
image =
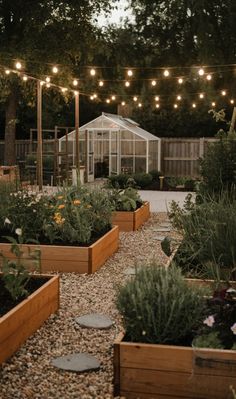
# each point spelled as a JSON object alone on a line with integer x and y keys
{"x": 127, "y": 148}
{"x": 140, "y": 147}
{"x": 127, "y": 165}
{"x": 140, "y": 165}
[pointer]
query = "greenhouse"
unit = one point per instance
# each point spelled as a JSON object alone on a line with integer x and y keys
{"x": 111, "y": 144}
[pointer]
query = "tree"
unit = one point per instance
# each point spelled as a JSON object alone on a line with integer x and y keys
{"x": 45, "y": 32}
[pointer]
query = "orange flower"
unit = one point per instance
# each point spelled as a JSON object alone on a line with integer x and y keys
{"x": 60, "y": 197}
{"x": 77, "y": 202}
{"x": 61, "y": 206}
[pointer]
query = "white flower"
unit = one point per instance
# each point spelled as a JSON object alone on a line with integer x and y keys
{"x": 209, "y": 321}
{"x": 18, "y": 232}
{"x": 7, "y": 221}
{"x": 233, "y": 328}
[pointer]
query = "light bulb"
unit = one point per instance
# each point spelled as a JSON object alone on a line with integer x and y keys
{"x": 157, "y": 98}
{"x": 47, "y": 79}
{"x": 223, "y": 93}
{"x": 101, "y": 83}
{"x": 213, "y": 104}
{"x": 127, "y": 83}
{"x": 108, "y": 101}
{"x": 139, "y": 105}
{"x": 209, "y": 77}
{"x": 64, "y": 89}
{"x": 179, "y": 98}
{"x": 157, "y": 105}
{"x": 25, "y": 78}
{"x": 135, "y": 98}
{"x": 113, "y": 97}
{"x": 76, "y": 93}
{"x": 48, "y": 85}
{"x": 91, "y": 97}
{"x": 154, "y": 82}
{"x": 180, "y": 81}
{"x": 123, "y": 103}
{"x": 7, "y": 72}
{"x": 75, "y": 82}
{"x": 94, "y": 95}
{"x": 201, "y": 95}
{"x": 92, "y": 72}
{"x": 201, "y": 72}
{"x": 194, "y": 105}
{"x": 55, "y": 69}
{"x": 18, "y": 65}
{"x": 42, "y": 83}
{"x": 175, "y": 105}
{"x": 232, "y": 101}
{"x": 129, "y": 72}
{"x": 166, "y": 73}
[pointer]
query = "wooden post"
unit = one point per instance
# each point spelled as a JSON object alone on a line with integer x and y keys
{"x": 77, "y": 163}
{"x": 233, "y": 120}
{"x": 39, "y": 137}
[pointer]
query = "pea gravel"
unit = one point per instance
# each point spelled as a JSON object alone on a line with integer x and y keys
{"x": 30, "y": 374}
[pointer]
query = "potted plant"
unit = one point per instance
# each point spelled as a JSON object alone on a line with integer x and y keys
{"x": 175, "y": 338}
{"x": 130, "y": 211}
{"x": 72, "y": 226}
{"x": 26, "y": 300}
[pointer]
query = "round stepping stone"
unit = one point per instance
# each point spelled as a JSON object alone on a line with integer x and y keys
{"x": 162, "y": 229}
{"x": 130, "y": 271}
{"x": 80, "y": 362}
{"x": 159, "y": 238}
{"x": 94, "y": 320}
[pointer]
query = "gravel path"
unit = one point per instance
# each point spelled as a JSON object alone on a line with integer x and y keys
{"x": 29, "y": 374}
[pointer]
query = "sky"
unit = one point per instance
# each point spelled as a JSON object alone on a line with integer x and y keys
{"x": 116, "y": 15}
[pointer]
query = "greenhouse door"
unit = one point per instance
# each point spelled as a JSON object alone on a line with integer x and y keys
{"x": 114, "y": 153}
{"x": 90, "y": 155}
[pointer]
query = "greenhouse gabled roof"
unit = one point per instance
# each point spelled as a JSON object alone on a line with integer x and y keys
{"x": 124, "y": 123}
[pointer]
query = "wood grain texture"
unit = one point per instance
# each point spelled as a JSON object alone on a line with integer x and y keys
{"x": 131, "y": 221}
{"x": 23, "y": 320}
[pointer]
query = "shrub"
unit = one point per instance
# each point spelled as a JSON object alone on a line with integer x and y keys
{"x": 118, "y": 181}
{"x": 142, "y": 179}
{"x": 158, "y": 306}
{"x": 125, "y": 200}
{"x": 155, "y": 174}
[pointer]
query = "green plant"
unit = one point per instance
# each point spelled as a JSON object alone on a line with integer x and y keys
{"x": 14, "y": 273}
{"x": 158, "y": 306}
{"x": 125, "y": 200}
{"x": 210, "y": 340}
{"x": 142, "y": 179}
{"x": 118, "y": 181}
{"x": 155, "y": 174}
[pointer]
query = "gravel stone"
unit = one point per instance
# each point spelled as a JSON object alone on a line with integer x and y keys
{"x": 94, "y": 320}
{"x": 59, "y": 336}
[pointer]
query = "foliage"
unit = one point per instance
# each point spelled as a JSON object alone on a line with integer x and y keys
{"x": 125, "y": 200}
{"x": 209, "y": 234}
{"x": 14, "y": 273}
{"x": 141, "y": 180}
{"x": 158, "y": 306}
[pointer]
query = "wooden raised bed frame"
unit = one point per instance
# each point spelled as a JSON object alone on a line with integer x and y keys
{"x": 131, "y": 221}
{"x": 25, "y": 318}
{"x": 71, "y": 258}
{"x": 173, "y": 372}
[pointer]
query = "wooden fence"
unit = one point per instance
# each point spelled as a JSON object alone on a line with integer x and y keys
{"x": 179, "y": 156}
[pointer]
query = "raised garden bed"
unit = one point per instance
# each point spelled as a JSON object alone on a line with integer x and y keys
{"x": 131, "y": 221}
{"x": 71, "y": 258}
{"x": 144, "y": 370}
{"x": 25, "y": 318}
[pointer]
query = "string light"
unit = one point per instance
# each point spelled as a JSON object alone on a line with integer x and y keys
{"x": 127, "y": 83}
{"x": 129, "y": 72}
{"x": 209, "y": 77}
{"x": 201, "y": 95}
{"x": 213, "y": 104}
{"x": 223, "y": 93}
{"x": 42, "y": 83}
{"x": 135, "y": 98}
{"x": 101, "y": 83}
{"x": 92, "y": 72}
{"x": 180, "y": 81}
{"x": 47, "y": 79}
{"x": 55, "y": 69}
{"x": 113, "y": 98}
{"x": 193, "y": 105}
{"x": 25, "y": 78}
{"x": 48, "y": 85}
{"x": 157, "y": 98}
{"x": 91, "y": 97}
{"x": 75, "y": 82}
{"x": 123, "y": 103}
{"x": 179, "y": 98}
{"x": 154, "y": 82}
{"x": 175, "y": 105}
{"x": 76, "y": 93}
{"x": 139, "y": 105}
{"x": 157, "y": 105}
{"x": 18, "y": 65}
{"x": 166, "y": 73}
{"x": 64, "y": 89}
{"x": 201, "y": 72}
{"x": 7, "y": 72}
{"x": 108, "y": 101}
{"x": 231, "y": 101}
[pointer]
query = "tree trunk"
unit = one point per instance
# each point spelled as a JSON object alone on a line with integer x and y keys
{"x": 10, "y": 129}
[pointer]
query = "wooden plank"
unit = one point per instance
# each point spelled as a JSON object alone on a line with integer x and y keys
{"x": 116, "y": 364}
{"x": 22, "y": 321}
{"x": 103, "y": 249}
{"x": 144, "y": 395}
{"x": 64, "y": 266}
{"x": 185, "y": 385}
{"x": 141, "y": 215}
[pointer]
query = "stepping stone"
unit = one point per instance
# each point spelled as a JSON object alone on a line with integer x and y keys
{"x": 80, "y": 362}
{"x": 159, "y": 238}
{"x": 130, "y": 271}
{"x": 94, "y": 320}
{"x": 165, "y": 225}
{"x": 162, "y": 229}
